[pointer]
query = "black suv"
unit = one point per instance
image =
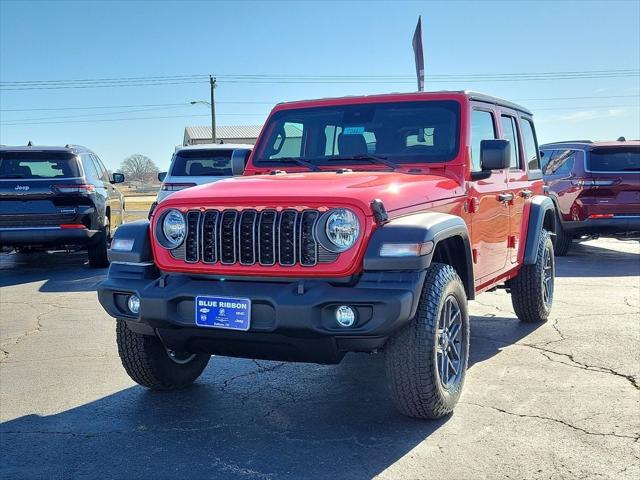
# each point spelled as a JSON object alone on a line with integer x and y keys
{"x": 58, "y": 197}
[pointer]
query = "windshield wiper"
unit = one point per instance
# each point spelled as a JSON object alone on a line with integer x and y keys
{"x": 12, "y": 175}
{"x": 311, "y": 166}
{"x": 366, "y": 156}
{"x": 630, "y": 169}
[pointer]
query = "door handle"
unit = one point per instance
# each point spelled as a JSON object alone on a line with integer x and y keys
{"x": 505, "y": 197}
{"x": 526, "y": 193}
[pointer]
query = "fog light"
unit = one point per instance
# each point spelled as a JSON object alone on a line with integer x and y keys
{"x": 345, "y": 316}
{"x": 134, "y": 304}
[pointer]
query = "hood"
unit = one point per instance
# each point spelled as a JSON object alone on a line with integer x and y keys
{"x": 396, "y": 190}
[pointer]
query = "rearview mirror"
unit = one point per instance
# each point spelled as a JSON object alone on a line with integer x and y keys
{"x": 117, "y": 177}
{"x": 495, "y": 154}
{"x": 162, "y": 176}
{"x": 237, "y": 162}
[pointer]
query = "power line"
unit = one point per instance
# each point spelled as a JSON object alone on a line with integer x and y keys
{"x": 273, "y": 102}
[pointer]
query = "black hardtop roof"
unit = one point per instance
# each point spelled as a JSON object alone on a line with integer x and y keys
{"x": 75, "y": 149}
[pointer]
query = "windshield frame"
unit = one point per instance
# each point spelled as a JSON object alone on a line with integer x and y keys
{"x": 331, "y": 162}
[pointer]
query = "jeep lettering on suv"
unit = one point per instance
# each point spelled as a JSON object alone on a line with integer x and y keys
{"x": 361, "y": 224}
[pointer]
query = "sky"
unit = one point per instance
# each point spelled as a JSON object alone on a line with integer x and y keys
{"x": 75, "y": 40}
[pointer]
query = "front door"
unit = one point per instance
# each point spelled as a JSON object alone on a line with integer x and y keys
{"x": 489, "y": 211}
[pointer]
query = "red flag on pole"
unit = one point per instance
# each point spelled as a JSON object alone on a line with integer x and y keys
{"x": 419, "y": 55}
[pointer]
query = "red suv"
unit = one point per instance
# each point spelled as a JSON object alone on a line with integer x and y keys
{"x": 595, "y": 187}
{"x": 361, "y": 224}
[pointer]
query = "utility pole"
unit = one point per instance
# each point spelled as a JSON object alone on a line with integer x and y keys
{"x": 212, "y": 83}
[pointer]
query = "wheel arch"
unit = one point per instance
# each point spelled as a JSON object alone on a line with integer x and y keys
{"x": 451, "y": 245}
{"x": 542, "y": 215}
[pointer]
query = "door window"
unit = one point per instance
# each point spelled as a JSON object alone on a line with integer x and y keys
{"x": 510, "y": 132}
{"x": 531, "y": 153}
{"x": 482, "y": 128}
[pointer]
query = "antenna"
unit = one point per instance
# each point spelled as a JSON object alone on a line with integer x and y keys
{"x": 622, "y": 139}
{"x": 30, "y": 144}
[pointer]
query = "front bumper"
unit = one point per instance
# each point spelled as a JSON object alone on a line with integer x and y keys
{"x": 618, "y": 225}
{"x": 18, "y": 236}
{"x": 291, "y": 320}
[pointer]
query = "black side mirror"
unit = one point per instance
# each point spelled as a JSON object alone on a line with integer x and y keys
{"x": 495, "y": 154}
{"x": 162, "y": 176}
{"x": 238, "y": 162}
{"x": 117, "y": 177}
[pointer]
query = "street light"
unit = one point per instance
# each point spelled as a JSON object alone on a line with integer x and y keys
{"x": 212, "y": 104}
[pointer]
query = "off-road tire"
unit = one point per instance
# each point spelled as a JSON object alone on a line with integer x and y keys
{"x": 147, "y": 361}
{"x": 527, "y": 291}
{"x": 411, "y": 366}
{"x": 563, "y": 241}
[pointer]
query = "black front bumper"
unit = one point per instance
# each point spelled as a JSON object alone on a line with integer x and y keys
{"x": 619, "y": 225}
{"x": 18, "y": 236}
{"x": 290, "y": 320}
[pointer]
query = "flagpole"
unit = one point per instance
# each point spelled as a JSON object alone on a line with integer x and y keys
{"x": 418, "y": 54}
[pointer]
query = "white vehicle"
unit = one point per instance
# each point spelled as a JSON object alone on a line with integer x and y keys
{"x": 200, "y": 164}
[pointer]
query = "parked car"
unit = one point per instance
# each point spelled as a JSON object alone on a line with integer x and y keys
{"x": 361, "y": 224}
{"x": 595, "y": 187}
{"x": 58, "y": 197}
{"x": 199, "y": 164}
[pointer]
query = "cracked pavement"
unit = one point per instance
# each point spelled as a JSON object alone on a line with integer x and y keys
{"x": 554, "y": 401}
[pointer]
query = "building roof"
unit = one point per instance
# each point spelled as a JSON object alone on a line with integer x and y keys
{"x": 224, "y": 131}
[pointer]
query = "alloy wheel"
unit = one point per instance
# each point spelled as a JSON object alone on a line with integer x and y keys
{"x": 449, "y": 344}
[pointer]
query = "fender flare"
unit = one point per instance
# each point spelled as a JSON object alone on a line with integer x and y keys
{"x": 539, "y": 206}
{"x": 419, "y": 228}
{"x": 136, "y": 247}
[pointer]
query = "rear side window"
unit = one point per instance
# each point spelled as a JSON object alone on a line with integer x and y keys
{"x": 561, "y": 163}
{"x": 614, "y": 159}
{"x": 202, "y": 163}
{"x": 90, "y": 169}
{"x": 510, "y": 132}
{"x": 482, "y": 128}
{"x": 35, "y": 165}
{"x": 532, "y": 156}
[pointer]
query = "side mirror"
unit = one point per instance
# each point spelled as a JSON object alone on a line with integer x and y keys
{"x": 162, "y": 176}
{"x": 495, "y": 154}
{"x": 117, "y": 177}
{"x": 237, "y": 162}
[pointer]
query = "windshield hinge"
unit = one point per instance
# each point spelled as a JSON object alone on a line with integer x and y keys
{"x": 379, "y": 212}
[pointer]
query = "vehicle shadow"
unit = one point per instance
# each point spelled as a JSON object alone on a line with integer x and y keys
{"x": 243, "y": 419}
{"x": 589, "y": 260}
{"x": 61, "y": 271}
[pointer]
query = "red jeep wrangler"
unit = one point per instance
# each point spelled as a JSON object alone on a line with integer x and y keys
{"x": 361, "y": 224}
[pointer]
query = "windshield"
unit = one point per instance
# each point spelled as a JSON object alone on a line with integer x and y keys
{"x": 402, "y": 132}
{"x": 203, "y": 163}
{"x": 34, "y": 165}
{"x": 615, "y": 160}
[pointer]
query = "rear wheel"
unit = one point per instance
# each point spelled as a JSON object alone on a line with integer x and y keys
{"x": 426, "y": 361}
{"x": 97, "y": 251}
{"x": 151, "y": 365}
{"x": 562, "y": 242}
{"x": 532, "y": 289}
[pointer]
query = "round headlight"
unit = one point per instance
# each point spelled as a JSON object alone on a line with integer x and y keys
{"x": 174, "y": 228}
{"x": 342, "y": 229}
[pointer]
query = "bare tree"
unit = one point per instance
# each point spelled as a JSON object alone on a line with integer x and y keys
{"x": 139, "y": 168}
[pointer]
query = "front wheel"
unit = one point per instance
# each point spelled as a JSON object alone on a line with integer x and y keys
{"x": 427, "y": 360}
{"x": 532, "y": 289}
{"x": 151, "y": 365}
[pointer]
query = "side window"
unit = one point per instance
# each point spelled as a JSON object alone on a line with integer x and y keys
{"x": 482, "y": 128}
{"x": 561, "y": 163}
{"x": 90, "y": 170}
{"x": 100, "y": 168}
{"x": 544, "y": 161}
{"x": 532, "y": 156}
{"x": 510, "y": 132}
{"x": 288, "y": 143}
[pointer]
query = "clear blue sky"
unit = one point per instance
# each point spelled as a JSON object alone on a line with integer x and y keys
{"x": 93, "y": 40}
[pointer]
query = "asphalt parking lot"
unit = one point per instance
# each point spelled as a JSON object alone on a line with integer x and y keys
{"x": 561, "y": 400}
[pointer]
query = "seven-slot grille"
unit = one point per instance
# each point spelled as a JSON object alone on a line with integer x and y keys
{"x": 250, "y": 237}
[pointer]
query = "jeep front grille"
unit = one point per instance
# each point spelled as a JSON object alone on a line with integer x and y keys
{"x": 249, "y": 237}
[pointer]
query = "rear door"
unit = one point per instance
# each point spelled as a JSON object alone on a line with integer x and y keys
{"x": 615, "y": 175}
{"x": 114, "y": 199}
{"x": 490, "y": 215}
